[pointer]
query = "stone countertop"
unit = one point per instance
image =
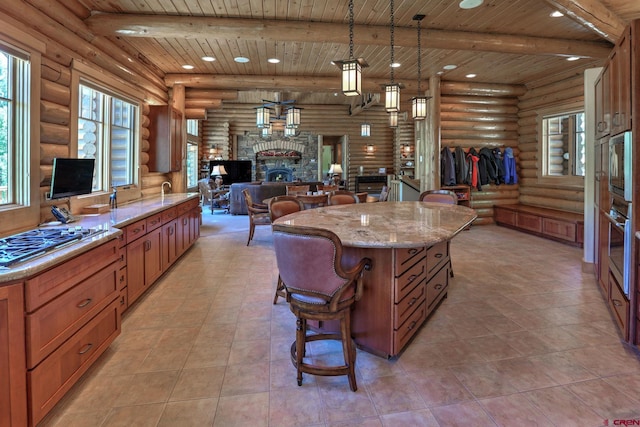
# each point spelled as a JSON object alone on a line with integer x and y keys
{"x": 387, "y": 224}
{"x": 107, "y": 226}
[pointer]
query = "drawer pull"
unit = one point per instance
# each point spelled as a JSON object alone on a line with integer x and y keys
{"x": 438, "y": 255}
{"x": 616, "y": 302}
{"x": 137, "y": 230}
{"x": 412, "y": 251}
{"x": 122, "y": 300}
{"x": 85, "y": 349}
{"x": 121, "y": 279}
{"x": 411, "y": 278}
{"x": 413, "y": 301}
{"x": 412, "y": 325}
{"x": 84, "y": 303}
{"x": 438, "y": 286}
{"x": 122, "y": 258}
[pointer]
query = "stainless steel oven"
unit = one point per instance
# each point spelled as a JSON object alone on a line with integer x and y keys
{"x": 620, "y": 237}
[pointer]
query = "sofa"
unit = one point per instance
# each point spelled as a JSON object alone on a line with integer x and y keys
{"x": 259, "y": 191}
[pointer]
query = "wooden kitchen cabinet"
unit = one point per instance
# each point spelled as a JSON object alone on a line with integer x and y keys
{"x": 13, "y": 380}
{"x": 165, "y": 139}
{"x": 144, "y": 263}
{"x": 620, "y": 65}
{"x": 603, "y": 103}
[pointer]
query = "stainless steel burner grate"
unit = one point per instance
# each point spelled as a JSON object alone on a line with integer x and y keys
{"x": 29, "y": 244}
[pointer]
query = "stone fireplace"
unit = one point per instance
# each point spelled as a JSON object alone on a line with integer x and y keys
{"x": 279, "y": 174}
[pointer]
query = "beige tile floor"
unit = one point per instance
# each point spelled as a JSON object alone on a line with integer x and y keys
{"x": 523, "y": 339}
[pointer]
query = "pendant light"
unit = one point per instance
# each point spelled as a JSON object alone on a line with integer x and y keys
{"x": 392, "y": 90}
{"x": 419, "y": 102}
{"x": 352, "y": 67}
{"x": 292, "y": 117}
{"x": 393, "y": 119}
{"x": 262, "y": 116}
{"x": 365, "y": 129}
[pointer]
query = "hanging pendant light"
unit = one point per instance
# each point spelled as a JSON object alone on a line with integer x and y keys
{"x": 419, "y": 102}
{"x": 365, "y": 129}
{"x": 392, "y": 90}
{"x": 393, "y": 119}
{"x": 292, "y": 117}
{"x": 352, "y": 67}
{"x": 262, "y": 116}
{"x": 267, "y": 130}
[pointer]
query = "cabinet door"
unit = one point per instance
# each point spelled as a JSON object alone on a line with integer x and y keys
{"x": 183, "y": 237}
{"x": 621, "y": 85}
{"x": 603, "y": 103}
{"x": 165, "y": 139}
{"x": 135, "y": 269}
{"x": 13, "y": 382}
{"x": 169, "y": 249}
{"x": 152, "y": 256}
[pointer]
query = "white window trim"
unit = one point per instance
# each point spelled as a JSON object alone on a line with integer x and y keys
{"x": 17, "y": 217}
{"x": 557, "y": 181}
{"x": 111, "y": 85}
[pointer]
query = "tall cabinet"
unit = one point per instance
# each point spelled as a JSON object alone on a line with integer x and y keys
{"x": 165, "y": 139}
{"x": 617, "y": 110}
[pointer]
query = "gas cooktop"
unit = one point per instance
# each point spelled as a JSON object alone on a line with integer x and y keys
{"x": 30, "y": 244}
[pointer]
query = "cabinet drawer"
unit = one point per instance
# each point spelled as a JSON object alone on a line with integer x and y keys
{"x": 122, "y": 278}
{"x": 43, "y": 288}
{"x": 153, "y": 221}
{"x": 529, "y": 222}
{"x": 437, "y": 287}
{"x": 437, "y": 255}
{"x": 403, "y": 309}
{"x": 136, "y": 230}
{"x": 406, "y": 282}
{"x": 52, "y": 324}
{"x": 57, "y": 373}
{"x": 403, "y": 334}
{"x": 187, "y": 206}
{"x": 560, "y": 229}
{"x": 505, "y": 216}
{"x": 169, "y": 214}
{"x": 123, "y": 300}
{"x": 122, "y": 257}
{"x": 619, "y": 306}
{"x": 406, "y": 257}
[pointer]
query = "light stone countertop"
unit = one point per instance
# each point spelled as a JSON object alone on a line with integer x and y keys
{"x": 387, "y": 224}
{"x": 109, "y": 226}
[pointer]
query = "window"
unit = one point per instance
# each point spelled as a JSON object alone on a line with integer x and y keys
{"x": 563, "y": 145}
{"x": 107, "y": 132}
{"x": 192, "y": 153}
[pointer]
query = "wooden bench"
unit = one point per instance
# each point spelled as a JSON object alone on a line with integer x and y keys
{"x": 563, "y": 226}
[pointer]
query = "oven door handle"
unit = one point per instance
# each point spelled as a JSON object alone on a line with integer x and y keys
{"x": 626, "y": 273}
{"x": 614, "y": 221}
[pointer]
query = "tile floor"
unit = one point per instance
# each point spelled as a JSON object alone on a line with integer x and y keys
{"x": 523, "y": 339}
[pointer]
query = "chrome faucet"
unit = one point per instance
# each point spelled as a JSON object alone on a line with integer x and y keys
{"x": 162, "y": 191}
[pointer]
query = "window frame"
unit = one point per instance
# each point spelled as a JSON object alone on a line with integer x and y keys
{"x": 193, "y": 140}
{"x": 542, "y": 177}
{"x": 26, "y": 214}
{"x": 113, "y": 86}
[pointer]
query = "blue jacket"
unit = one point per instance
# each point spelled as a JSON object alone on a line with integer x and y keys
{"x": 509, "y": 161}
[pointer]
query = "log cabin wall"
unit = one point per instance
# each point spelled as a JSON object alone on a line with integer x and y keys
{"x": 532, "y": 192}
{"x": 68, "y": 39}
{"x": 223, "y": 125}
{"x": 481, "y": 115}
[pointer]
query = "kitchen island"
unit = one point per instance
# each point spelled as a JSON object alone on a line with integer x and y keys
{"x": 408, "y": 243}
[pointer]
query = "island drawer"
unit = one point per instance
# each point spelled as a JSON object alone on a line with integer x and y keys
{"x": 405, "y": 283}
{"x": 404, "y": 333}
{"x": 153, "y": 221}
{"x": 404, "y": 308}
{"x": 136, "y": 230}
{"x": 436, "y": 255}
{"x": 406, "y": 257}
{"x": 437, "y": 286}
{"x": 169, "y": 214}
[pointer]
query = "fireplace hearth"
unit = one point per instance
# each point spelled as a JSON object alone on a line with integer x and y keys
{"x": 279, "y": 174}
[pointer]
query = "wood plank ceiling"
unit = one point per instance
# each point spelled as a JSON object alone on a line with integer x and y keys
{"x": 501, "y": 41}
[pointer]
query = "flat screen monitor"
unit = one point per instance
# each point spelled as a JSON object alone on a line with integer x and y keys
{"x": 237, "y": 170}
{"x": 71, "y": 177}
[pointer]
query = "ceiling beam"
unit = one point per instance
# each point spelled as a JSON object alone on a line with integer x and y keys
{"x": 193, "y": 27}
{"x": 593, "y": 15}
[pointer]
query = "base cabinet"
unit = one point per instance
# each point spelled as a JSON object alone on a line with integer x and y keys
{"x": 13, "y": 385}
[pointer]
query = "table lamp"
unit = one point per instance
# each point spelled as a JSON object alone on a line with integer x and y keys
{"x": 218, "y": 170}
{"x": 336, "y": 171}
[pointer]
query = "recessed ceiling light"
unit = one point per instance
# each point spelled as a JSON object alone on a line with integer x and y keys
{"x": 241, "y": 59}
{"x": 395, "y": 65}
{"x": 188, "y": 67}
{"x": 470, "y": 76}
{"x": 208, "y": 58}
{"x": 573, "y": 58}
{"x": 470, "y": 4}
{"x": 273, "y": 60}
{"x": 556, "y": 14}
{"x": 440, "y": 73}
{"x": 450, "y": 67}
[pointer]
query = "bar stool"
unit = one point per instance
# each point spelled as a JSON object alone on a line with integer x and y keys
{"x": 318, "y": 288}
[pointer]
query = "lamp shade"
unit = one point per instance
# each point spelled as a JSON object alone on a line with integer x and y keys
{"x": 393, "y": 119}
{"x": 336, "y": 169}
{"x": 365, "y": 129}
{"x": 218, "y": 170}
{"x": 419, "y": 107}
{"x": 293, "y": 117}
{"x": 351, "y": 77}
{"x": 267, "y": 130}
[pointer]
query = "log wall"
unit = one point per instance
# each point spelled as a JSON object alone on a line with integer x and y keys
{"x": 532, "y": 191}
{"x": 480, "y": 115}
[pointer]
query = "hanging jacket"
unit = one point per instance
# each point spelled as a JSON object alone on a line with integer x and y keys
{"x": 497, "y": 158}
{"x": 474, "y": 158}
{"x": 488, "y": 167}
{"x": 462, "y": 167}
{"x": 447, "y": 167}
{"x": 509, "y": 161}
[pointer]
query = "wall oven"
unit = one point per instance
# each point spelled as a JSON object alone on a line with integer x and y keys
{"x": 620, "y": 237}
{"x": 620, "y": 165}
